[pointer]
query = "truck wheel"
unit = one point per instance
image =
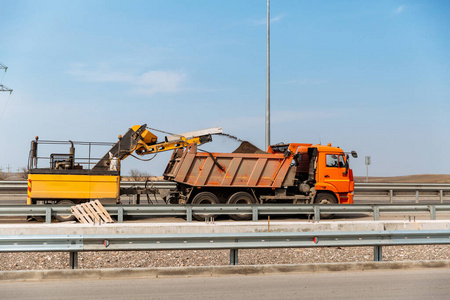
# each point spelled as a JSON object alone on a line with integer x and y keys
{"x": 323, "y": 199}
{"x": 241, "y": 198}
{"x": 202, "y": 199}
{"x": 65, "y": 218}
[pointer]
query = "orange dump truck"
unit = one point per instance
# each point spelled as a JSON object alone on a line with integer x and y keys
{"x": 288, "y": 173}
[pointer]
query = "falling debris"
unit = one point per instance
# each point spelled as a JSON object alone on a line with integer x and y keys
{"x": 231, "y": 137}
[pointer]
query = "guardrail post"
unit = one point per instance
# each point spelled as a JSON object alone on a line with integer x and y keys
{"x": 234, "y": 257}
{"x": 255, "y": 213}
{"x": 417, "y": 196}
{"x": 73, "y": 260}
{"x": 376, "y": 213}
{"x": 377, "y": 253}
{"x": 120, "y": 215}
{"x": 189, "y": 213}
{"x": 391, "y": 196}
{"x": 48, "y": 215}
{"x": 441, "y": 196}
{"x": 316, "y": 213}
{"x": 432, "y": 209}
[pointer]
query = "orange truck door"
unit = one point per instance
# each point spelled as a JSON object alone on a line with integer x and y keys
{"x": 334, "y": 172}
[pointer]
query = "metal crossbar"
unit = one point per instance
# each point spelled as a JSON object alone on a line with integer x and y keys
{"x": 232, "y": 241}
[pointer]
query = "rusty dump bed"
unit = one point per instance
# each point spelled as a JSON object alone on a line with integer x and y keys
{"x": 227, "y": 169}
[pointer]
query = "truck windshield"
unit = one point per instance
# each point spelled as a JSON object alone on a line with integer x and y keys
{"x": 335, "y": 161}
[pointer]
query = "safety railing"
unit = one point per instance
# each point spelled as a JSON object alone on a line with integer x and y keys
{"x": 233, "y": 241}
{"x": 187, "y": 211}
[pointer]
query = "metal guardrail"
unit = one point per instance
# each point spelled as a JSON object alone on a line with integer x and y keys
{"x": 232, "y": 241}
{"x": 392, "y": 188}
{"x": 121, "y": 211}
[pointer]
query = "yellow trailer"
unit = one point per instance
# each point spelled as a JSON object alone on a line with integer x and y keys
{"x": 68, "y": 180}
{"x": 75, "y": 188}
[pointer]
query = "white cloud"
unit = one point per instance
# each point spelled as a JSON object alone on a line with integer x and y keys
{"x": 160, "y": 82}
{"x": 148, "y": 83}
{"x": 400, "y": 9}
{"x": 103, "y": 73}
{"x": 264, "y": 21}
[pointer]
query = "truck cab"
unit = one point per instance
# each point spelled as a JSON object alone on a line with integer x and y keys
{"x": 333, "y": 174}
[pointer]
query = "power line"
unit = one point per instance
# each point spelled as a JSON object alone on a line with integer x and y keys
{"x": 4, "y": 88}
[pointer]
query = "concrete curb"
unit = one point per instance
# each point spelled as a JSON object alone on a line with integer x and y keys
{"x": 83, "y": 274}
{"x": 222, "y": 227}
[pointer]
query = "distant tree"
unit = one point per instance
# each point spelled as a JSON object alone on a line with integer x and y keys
{"x": 3, "y": 176}
{"x": 137, "y": 175}
{"x": 23, "y": 174}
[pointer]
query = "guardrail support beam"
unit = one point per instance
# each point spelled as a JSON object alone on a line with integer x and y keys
{"x": 120, "y": 215}
{"x": 417, "y": 196}
{"x": 316, "y": 213}
{"x": 432, "y": 209}
{"x": 255, "y": 214}
{"x": 391, "y": 196}
{"x": 189, "y": 213}
{"x": 441, "y": 196}
{"x": 376, "y": 213}
{"x": 73, "y": 260}
{"x": 48, "y": 215}
{"x": 234, "y": 257}
{"x": 377, "y": 253}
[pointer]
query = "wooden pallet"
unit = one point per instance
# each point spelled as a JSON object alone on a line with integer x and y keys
{"x": 91, "y": 212}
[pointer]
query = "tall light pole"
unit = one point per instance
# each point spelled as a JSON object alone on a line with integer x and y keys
{"x": 268, "y": 78}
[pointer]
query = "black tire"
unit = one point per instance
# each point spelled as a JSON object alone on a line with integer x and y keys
{"x": 202, "y": 199}
{"x": 65, "y": 218}
{"x": 241, "y": 198}
{"x": 324, "y": 199}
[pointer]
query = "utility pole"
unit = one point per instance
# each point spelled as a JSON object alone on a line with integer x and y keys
{"x": 268, "y": 78}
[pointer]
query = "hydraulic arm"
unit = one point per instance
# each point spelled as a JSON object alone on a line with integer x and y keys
{"x": 140, "y": 140}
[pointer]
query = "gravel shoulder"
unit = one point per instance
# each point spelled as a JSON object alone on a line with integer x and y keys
{"x": 185, "y": 258}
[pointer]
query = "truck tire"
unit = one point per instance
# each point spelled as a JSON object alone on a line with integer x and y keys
{"x": 65, "y": 218}
{"x": 323, "y": 199}
{"x": 241, "y": 198}
{"x": 202, "y": 199}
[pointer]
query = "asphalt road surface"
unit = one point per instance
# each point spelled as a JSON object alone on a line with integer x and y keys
{"x": 390, "y": 284}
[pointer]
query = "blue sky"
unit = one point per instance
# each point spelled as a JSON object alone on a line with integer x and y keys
{"x": 370, "y": 76}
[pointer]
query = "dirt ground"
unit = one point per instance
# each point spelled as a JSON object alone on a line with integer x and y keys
{"x": 421, "y": 178}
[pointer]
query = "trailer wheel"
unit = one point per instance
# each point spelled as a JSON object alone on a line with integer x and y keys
{"x": 202, "y": 199}
{"x": 241, "y": 198}
{"x": 65, "y": 218}
{"x": 323, "y": 199}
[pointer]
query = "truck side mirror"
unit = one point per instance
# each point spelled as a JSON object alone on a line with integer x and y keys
{"x": 354, "y": 154}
